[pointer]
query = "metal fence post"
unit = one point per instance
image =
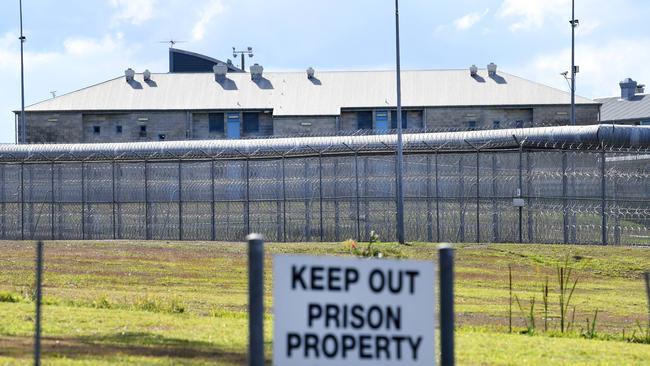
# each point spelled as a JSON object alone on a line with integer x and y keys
{"x": 247, "y": 209}
{"x": 22, "y": 201}
{"x": 147, "y": 231}
{"x": 565, "y": 205}
{"x": 446, "y": 264}
{"x": 337, "y": 214}
{"x": 366, "y": 201}
{"x": 356, "y": 179}
{"x": 52, "y": 201}
{"x": 83, "y": 200}
{"x": 320, "y": 192}
{"x": 284, "y": 201}
{"x": 495, "y": 206}
{"x": 478, "y": 196}
{"x": 213, "y": 229}
{"x": 3, "y": 199}
{"x": 521, "y": 193}
{"x": 603, "y": 187}
{"x": 180, "y": 201}
{"x": 255, "y": 300}
{"x": 461, "y": 190}
{"x": 113, "y": 197}
{"x": 39, "y": 296}
{"x": 429, "y": 213}
{"x": 437, "y": 199}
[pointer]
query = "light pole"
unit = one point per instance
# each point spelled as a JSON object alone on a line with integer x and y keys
{"x": 23, "y": 132}
{"x": 400, "y": 157}
{"x": 248, "y": 51}
{"x": 574, "y": 69}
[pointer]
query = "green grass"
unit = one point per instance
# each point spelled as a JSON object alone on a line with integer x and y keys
{"x": 167, "y": 303}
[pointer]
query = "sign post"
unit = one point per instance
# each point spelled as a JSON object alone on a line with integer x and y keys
{"x": 344, "y": 311}
{"x": 255, "y": 300}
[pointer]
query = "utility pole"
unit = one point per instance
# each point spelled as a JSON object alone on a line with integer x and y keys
{"x": 574, "y": 23}
{"x": 400, "y": 157}
{"x": 23, "y": 132}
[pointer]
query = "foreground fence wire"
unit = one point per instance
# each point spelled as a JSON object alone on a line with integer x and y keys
{"x": 479, "y": 191}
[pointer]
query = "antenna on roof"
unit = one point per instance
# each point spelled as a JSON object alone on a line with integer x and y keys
{"x": 53, "y": 92}
{"x": 172, "y": 42}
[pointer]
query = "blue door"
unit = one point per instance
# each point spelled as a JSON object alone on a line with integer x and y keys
{"x": 234, "y": 123}
{"x": 381, "y": 121}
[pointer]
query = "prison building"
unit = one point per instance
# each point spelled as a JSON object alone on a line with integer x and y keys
{"x": 631, "y": 107}
{"x": 189, "y": 103}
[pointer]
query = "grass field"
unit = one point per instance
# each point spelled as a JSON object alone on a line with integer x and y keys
{"x": 167, "y": 303}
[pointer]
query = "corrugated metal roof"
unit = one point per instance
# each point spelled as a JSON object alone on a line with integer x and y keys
{"x": 292, "y": 93}
{"x": 617, "y": 109}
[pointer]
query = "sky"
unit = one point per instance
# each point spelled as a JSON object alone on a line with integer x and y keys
{"x": 72, "y": 44}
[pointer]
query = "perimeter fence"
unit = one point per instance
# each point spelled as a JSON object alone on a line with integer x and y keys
{"x": 573, "y": 185}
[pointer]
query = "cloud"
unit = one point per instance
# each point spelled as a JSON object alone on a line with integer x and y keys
{"x": 467, "y": 21}
{"x": 530, "y": 14}
{"x": 135, "y": 12}
{"x": 602, "y": 66}
{"x": 209, "y": 12}
{"x": 82, "y": 46}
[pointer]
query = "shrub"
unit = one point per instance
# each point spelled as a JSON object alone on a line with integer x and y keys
{"x": 9, "y": 297}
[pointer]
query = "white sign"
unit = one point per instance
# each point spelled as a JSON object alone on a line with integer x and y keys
{"x": 348, "y": 311}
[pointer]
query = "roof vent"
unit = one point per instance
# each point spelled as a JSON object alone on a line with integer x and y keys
{"x": 129, "y": 74}
{"x": 640, "y": 88}
{"x": 310, "y": 73}
{"x": 256, "y": 71}
{"x": 492, "y": 69}
{"x": 220, "y": 71}
{"x": 473, "y": 70}
{"x": 628, "y": 88}
{"x": 147, "y": 75}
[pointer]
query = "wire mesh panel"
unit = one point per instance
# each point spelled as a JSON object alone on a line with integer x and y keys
{"x": 340, "y": 206}
{"x": 130, "y": 207}
{"x": 196, "y": 200}
{"x": 11, "y": 194}
{"x": 231, "y": 187}
{"x": 37, "y": 190}
{"x": 98, "y": 199}
{"x": 267, "y": 192}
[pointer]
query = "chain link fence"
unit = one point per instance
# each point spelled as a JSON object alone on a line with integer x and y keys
{"x": 488, "y": 192}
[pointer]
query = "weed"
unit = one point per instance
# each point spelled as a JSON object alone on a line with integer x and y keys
{"x": 510, "y": 299}
{"x": 9, "y": 297}
{"x": 28, "y": 293}
{"x": 590, "y": 332}
{"x": 545, "y": 301}
{"x": 176, "y": 306}
{"x": 102, "y": 302}
{"x": 566, "y": 292}
{"x": 371, "y": 250}
{"x": 157, "y": 305}
{"x": 529, "y": 319}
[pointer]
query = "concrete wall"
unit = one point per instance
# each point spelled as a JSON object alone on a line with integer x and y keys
{"x": 287, "y": 126}
{"x": 585, "y": 114}
{"x": 173, "y": 125}
{"x": 46, "y": 127}
{"x": 454, "y": 118}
